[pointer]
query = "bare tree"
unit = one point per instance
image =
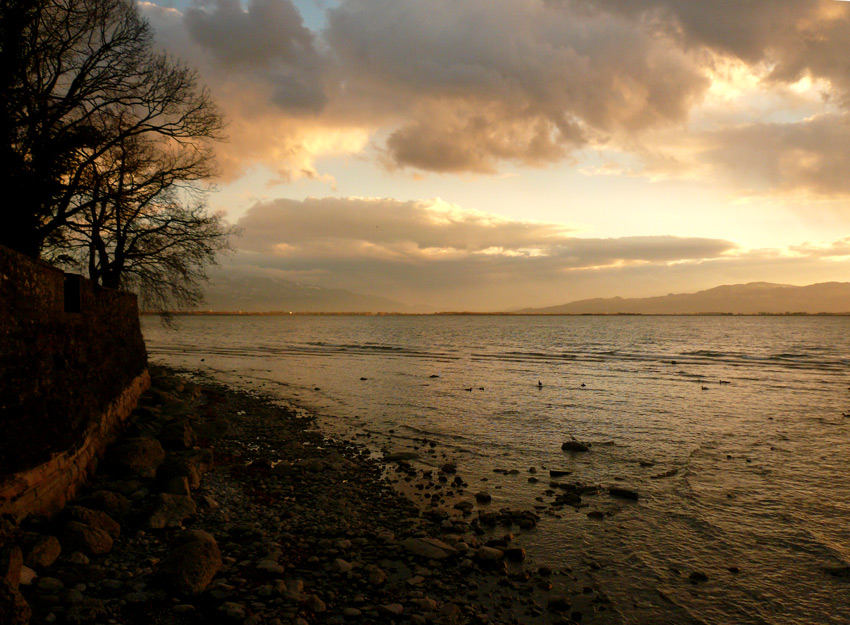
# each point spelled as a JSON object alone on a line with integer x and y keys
{"x": 145, "y": 226}
{"x": 79, "y": 79}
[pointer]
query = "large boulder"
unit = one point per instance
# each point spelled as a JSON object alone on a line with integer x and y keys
{"x": 94, "y": 518}
{"x": 81, "y": 537}
{"x": 189, "y": 464}
{"x": 114, "y": 504}
{"x": 190, "y": 567}
{"x": 177, "y": 435}
{"x": 43, "y": 552}
{"x": 171, "y": 511}
{"x": 139, "y": 456}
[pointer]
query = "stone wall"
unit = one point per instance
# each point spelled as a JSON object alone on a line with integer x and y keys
{"x": 72, "y": 365}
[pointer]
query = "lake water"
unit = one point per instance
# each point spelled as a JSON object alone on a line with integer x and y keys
{"x": 746, "y": 481}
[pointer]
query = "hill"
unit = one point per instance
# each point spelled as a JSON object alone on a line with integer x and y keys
{"x": 752, "y": 298}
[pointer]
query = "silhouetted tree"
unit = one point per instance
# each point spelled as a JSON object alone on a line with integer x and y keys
{"x": 145, "y": 226}
{"x": 78, "y": 80}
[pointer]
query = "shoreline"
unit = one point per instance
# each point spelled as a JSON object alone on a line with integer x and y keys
{"x": 309, "y": 529}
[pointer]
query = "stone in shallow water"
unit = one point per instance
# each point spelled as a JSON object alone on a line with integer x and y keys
{"x": 623, "y": 493}
{"x": 574, "y": 446}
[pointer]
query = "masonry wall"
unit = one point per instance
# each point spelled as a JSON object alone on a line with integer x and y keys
{"x": 72, "y": 364}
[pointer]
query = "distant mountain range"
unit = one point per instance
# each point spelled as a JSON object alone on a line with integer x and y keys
{"x": 752, "y": 298}
{"x": 266, "y": 294}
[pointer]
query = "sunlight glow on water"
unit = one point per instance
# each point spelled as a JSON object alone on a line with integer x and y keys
{"x": 756, "y": 469}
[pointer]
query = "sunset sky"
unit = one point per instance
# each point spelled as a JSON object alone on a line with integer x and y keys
{"x": 487, "y": 154}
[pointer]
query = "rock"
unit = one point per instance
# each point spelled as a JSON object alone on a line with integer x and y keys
{"x": 171, "y": 511}
{"x": 558, "y": 473}
{"x": 623, "y": 493}
{"x": 515, "y": 554}
{"x": 450, "y": 613}
{"x": 574, "y": 446}
{"x": 11, "y": 561}
{"x": 86, "y": 611}
{"x": 341, "y": 566}
{"x": 77, "y": 557}
{"x": 190, "y": 567}
{"x": 270, "y": 566}
{"x": 697, "y": 577}
{"x": 558, "y": 604}
{"x": 177, "y": 435}
{"x": 82, "y": 537}
{"x": 233, "y": 611}
{"x": 483, "y": 497}
{"x": 44, "y": 552}
{"x": 140, "y": 456}
{"x": 114, "y": 504}
{"x": 376, "y": 576}
{"x": 597, "y": 515}
{"x": 189, "y": 464}
{"x": 14, "y": 609}
{"x": 391, "y": 609}
{"x": 178, "y": 485}
{"x": 28, "y": 576}
{"x": 49, "y": 585}
{"x": 314, "y": 604}
{"x": 430, "y": 548}
{"x": 489, "y": 554}
{"x": 449, "y": 467}
{"x": 213, "y": 429}
{"x": 425, "y": 604}
{"x": 401, "y": 456}
{"x": 94, "y": 518}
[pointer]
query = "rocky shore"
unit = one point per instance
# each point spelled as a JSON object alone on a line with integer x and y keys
{"x": 221, "y": 506}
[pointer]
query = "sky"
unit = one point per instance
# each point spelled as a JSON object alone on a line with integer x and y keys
{"x": 488, "y": 154}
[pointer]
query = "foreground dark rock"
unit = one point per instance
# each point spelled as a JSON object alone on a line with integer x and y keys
{"x": 191, "y": 566}
{"x": 265, "y": 521}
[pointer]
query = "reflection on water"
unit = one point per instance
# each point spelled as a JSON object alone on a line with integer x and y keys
{"x": 730, "y": 428}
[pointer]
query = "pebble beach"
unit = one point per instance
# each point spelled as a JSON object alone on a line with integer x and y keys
{"x": 220, "y": 505}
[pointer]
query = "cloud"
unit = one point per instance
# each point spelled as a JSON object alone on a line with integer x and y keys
{"x": 432, "y": 251}
{"x": 476, "y": 86}
{"x": 789, "y": 37}
{"x": 835, "y": 250}
{"x": 267, "y": 39}
{"x": 264, "y": 68}
{"x": 485, "y": 82}
{"x": 811, "y": 155}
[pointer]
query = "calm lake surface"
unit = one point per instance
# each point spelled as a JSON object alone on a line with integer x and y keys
{"x": 752, "y": 476}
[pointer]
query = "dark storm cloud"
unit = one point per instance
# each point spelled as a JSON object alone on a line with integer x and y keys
{"x": 268, "y": 39}
{"x": 796, "y": 37}
{"x": 485, "y": 82}
{"x": 470, "y": 86}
